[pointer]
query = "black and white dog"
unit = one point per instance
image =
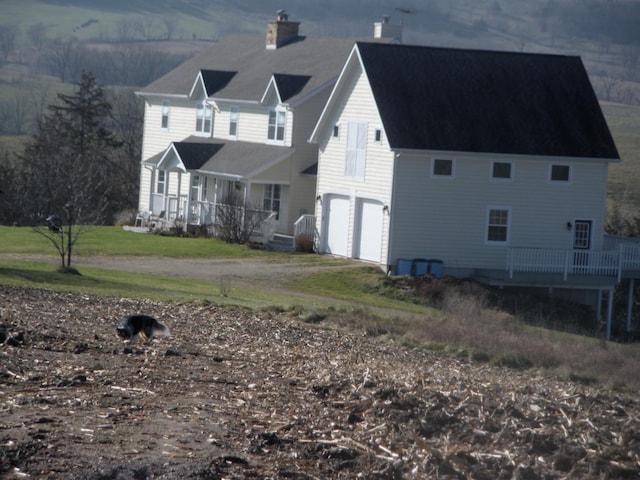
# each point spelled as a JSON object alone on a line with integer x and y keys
{"x": 132, "y": 325}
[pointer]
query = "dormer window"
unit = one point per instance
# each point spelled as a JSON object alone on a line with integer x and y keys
{"x": 275, "y": 131}
{"x": 204, "y": 118}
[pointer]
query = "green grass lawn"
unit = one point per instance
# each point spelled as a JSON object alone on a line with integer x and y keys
{"x": 117, "y": 241}
{"x": 347, "y": 285}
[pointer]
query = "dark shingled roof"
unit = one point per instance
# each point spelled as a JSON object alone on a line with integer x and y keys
{"x": 195, "y": 155}
{"x": 319, "y": 59}
{"x": 486, "y": 101}
{"x": 290, "y": 85}
{"x": 215, "y": 80}
{"x": 241, "y": 159}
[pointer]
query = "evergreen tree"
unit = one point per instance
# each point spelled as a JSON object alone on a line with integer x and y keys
{"x": 68, "y": 164}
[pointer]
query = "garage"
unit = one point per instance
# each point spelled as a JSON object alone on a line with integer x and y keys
{"x": 369, "y": 220}
{"x": 336, "y": 224}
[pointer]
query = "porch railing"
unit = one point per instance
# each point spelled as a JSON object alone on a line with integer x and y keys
{"x": 174, "y": 207}
{"x": 608, "y": 263}
{"x": 305, "y": 225}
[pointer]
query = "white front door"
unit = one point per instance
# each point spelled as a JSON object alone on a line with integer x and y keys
{"x": 336, "y": 224}
{"x": 369, "y": 218}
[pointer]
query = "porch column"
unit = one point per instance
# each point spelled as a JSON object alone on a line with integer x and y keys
{"x": 247, "y": 192}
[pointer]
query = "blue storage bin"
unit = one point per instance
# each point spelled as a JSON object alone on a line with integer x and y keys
{"x": 435, "y": 267}
{"x": 419, "y": 266}
{"x": 403, "y": 266}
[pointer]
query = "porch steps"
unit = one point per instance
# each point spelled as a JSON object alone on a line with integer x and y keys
{"x": 281, "y": 243}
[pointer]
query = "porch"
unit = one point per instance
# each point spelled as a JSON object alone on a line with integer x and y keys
{"x": 607, "y": 267}
{"x": 600, "y": 271}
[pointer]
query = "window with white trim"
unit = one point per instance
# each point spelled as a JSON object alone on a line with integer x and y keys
{"x": 166, "y": 107}
{"x": 275, "y": 131}
{"x": 234, "y": 113}
{"x": 160, "y": 181}
{"x": 559, "y": 173}
{"x": 271, "y": 201}
{"x": 204, "y": 118}
{"x": 336, "y": 131}
{"x": 442, "y": 167}
{"x": 498, "y": 225}
{"x": 378, "y": 135}
{"x": 501, "y": 171}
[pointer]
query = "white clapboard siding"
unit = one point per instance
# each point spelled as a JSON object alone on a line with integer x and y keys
{"x": 447, "y": 219}
{"x": 356, "y": 104}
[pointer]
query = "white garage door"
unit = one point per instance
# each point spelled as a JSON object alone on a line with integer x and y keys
{"x": 369, "y": 217}
{"x": 336, "y": 218}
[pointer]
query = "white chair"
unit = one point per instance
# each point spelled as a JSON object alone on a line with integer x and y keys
{"x": 142, "y": 218}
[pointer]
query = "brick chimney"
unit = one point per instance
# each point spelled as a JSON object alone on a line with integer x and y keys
{"x": 281, "y": 31}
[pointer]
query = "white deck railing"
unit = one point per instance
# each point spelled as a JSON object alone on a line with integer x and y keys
{"x": 609, "y": 263}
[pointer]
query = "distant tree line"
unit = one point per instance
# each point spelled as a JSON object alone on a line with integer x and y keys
{"x": 131, "y": 64}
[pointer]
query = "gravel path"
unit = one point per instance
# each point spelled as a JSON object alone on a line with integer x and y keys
{"x": 194, "y": 268}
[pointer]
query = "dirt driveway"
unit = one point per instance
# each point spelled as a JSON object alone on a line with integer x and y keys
{"x": 212, "y": 269}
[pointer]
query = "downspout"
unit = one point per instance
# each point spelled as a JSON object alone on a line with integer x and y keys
{"x": 391, "y": 211}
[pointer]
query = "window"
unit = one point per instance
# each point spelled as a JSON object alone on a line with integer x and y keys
{"x": 501, "y": 170}
{"x": 336, "y": 131}
{"x": 276, "y": 126}
{"x": 204, "y": 116}
{"x": 165, "y": 114}
{"x": 356, "y": 150}
{"x": 498, "y": 225}
{"x": 196, "y": 188}
{"x": 271, "y": 202}
{"x": 160, "y": 182}
{"x": 378, "y": 135}
{"x": 442, "y": 168}
{"x": 560, "y": 173}
{"x": 233, "y": 122}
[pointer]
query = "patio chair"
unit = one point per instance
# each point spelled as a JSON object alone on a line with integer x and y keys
{"x": 142, "y": 218}
{"x": 154, "y": 221}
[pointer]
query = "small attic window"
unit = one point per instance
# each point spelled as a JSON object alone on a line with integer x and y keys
{"x": 336, "y": 131}
{"x": 560, "y": 173}
{"x": 378, "y": 135}
{"x": 442, "y": 168}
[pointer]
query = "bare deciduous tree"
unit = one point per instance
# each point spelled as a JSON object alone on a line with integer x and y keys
{"x": 19, "y": 113}
{"x": 37, "y": 35}
{"x": 607, "y": 85}
{"x": 237, "y": 219}
{"x": 8, "y": 35}
{"x": 60, "y": 56}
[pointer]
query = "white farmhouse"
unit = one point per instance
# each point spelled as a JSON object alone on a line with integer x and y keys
{"x": 482, "y": 164}
{"x": 234, "y": 122}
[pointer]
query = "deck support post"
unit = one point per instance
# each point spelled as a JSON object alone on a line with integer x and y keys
{"x": 609, "y": 313}
{"x": 599, "y": 309}
{"x": 630, "y": 304}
